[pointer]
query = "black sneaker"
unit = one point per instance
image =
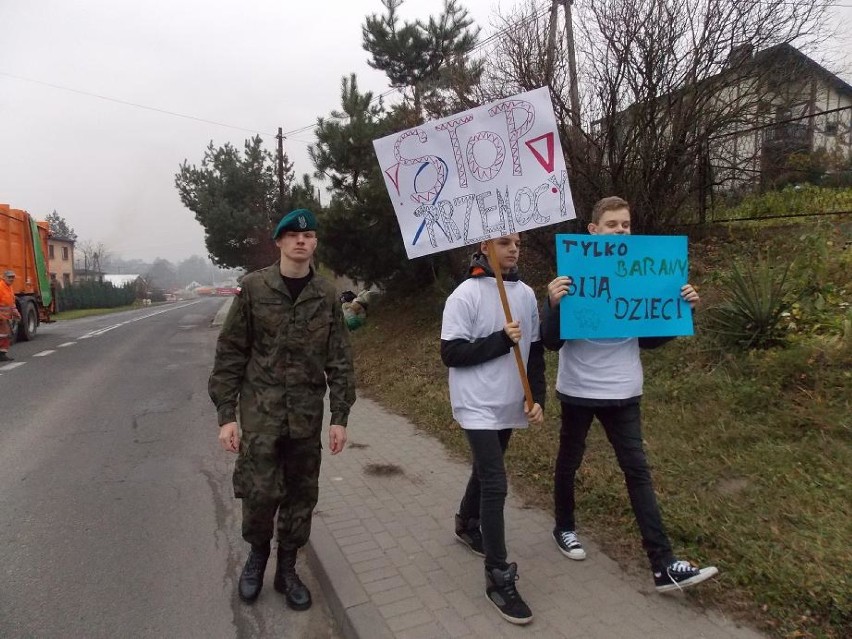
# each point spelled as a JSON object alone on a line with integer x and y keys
{"x": 5, "y": 358}
{"x": 682, "y": 574}
{"x": 500, "y": 590}
{"x": 569, "y": 545}
{"x": 469, "y": 534}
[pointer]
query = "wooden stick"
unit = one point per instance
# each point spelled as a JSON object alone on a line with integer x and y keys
{"x": 501, "y": 288}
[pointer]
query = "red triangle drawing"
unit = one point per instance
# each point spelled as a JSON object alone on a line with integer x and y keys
{"x": 548, "y": 163}
{"x": 394, "y": 177}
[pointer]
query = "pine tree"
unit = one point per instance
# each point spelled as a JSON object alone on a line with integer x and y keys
{"x": 429, "y": 61}
{"x": 59, "y": 227}
{"x": 344, "y": 150}
{"x": 359, "y": 232}
{"x": 235, "y": 197}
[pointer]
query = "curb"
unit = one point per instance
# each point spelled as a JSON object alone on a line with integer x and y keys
{"x": 219, "y": 319}
{"x": 356, "y": 615}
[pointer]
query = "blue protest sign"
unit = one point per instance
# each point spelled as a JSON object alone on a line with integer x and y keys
{"x": 623, "y": 286}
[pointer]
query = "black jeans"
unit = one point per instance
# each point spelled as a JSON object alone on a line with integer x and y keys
{"x": 486, "y": 491}
{"x": 623, "y": 428}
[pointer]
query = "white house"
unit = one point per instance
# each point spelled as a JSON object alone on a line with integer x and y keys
{"x": 799, "y": 108}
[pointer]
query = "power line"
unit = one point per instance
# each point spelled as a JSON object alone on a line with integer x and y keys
{"x": 307, "y": 127}
{"x": 543, "y": 10}
{"x": 484, "y": 43}
{"x": 132, "y": 104}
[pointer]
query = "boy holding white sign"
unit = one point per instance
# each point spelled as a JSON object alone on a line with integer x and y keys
{"x": 488, "y": 402}
{"x": 603, "y": 378}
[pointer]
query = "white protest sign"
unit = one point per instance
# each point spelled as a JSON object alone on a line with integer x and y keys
{"x": 476, "y": 175}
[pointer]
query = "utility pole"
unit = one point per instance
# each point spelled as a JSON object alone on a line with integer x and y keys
{"x": 574, "y": 94}
{"x": 551, "y": 39}
{"x": 572, "y": 63}
{"x": 282, "y": 203}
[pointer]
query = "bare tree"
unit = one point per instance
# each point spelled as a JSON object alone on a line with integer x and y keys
{"x": 92, "y": 257}
{"x": 660, "y": 82}
{"x": 517, "y": 57}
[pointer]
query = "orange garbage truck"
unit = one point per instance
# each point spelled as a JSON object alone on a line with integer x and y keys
{"x": 23, "y": 249}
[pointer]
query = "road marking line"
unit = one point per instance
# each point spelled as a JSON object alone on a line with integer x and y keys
{"x": 44, "y": 353}
{"x": 9, "y": 367}
{"x": 66, "y": 344}
{"x": 101, "y": 331}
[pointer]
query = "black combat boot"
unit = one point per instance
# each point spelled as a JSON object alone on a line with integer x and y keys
{"x": 288, "y": 583}
{"x": 251, "y": 579}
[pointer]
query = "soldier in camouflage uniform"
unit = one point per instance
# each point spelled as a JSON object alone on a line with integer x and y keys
{"x": 283, "y": 342}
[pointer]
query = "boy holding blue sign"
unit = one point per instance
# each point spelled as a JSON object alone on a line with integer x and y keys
{"x": 603, "y": 378}
{"x": 488, "y": 402}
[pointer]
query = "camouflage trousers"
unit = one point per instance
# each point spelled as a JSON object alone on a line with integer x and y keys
{"x": 277, "y": 473}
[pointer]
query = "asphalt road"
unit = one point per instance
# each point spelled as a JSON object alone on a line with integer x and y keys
{"x": 117, "y": 516}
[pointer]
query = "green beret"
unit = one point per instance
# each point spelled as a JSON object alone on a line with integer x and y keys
{"x": 298, "y": 220}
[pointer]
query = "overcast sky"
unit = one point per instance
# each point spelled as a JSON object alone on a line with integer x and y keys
{"x": 108, "y": 168}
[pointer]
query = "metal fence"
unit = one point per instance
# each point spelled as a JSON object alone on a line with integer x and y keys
{"x": 790, "y": 167}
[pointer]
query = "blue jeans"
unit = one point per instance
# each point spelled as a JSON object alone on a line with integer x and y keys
{"x": 486, "y": 491}
{"x": 623, "y": 428}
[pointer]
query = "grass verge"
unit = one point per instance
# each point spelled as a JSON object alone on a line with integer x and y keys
{"x": 88, "y": 312}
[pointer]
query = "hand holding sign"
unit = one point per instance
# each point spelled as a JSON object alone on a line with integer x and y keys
{"x": 557, "y": 289}
{"x": 690, "y": 295}
{"x": 535, "y": 415}
{"x": 513, "y": 331}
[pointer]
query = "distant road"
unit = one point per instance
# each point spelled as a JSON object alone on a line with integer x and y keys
{"x": 117, "y": 516}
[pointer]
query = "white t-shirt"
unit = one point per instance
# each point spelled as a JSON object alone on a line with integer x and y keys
{"x": 600, "y": 368}
{"x": 489, "y": 396}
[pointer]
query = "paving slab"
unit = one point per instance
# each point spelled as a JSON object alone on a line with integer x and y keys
{"x": 383, "y": 549}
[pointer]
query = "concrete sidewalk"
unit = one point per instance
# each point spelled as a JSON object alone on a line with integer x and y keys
{"x": 382, "y": 546}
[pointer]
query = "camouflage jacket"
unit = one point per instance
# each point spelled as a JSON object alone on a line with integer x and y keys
{"x": 277, "y": 356}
